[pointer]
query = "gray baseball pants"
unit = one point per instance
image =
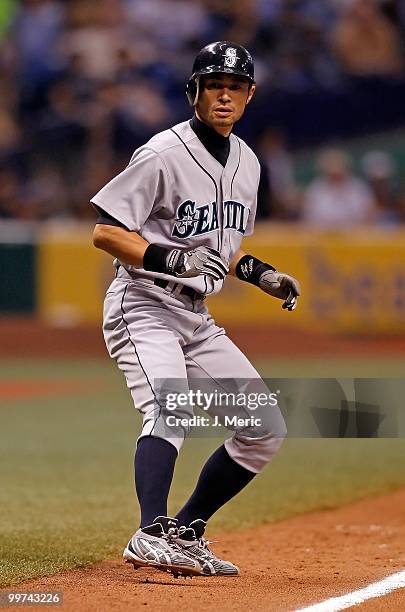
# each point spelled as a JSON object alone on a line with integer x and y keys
{"x": 156, "y": 335}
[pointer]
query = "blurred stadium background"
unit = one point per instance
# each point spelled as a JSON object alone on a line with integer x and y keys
{"x": 82, "y": 84}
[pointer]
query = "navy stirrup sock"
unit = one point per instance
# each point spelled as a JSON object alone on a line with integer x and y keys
{"x": 154, "y": 466}
{"x": 221, "y": 479}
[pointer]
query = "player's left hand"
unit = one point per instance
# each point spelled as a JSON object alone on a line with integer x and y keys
{"x": 281, "y": 286}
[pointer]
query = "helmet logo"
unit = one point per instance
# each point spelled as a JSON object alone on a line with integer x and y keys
{"x": 230, "y": 57}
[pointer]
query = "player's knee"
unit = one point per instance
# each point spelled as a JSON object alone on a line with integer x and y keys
{"x": 177, "y": 442}
{"x": 254, "y": 453}
{"x": 159, "y": 427}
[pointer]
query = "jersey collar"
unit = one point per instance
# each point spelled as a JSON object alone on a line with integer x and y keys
{"x": 216, "y": 144}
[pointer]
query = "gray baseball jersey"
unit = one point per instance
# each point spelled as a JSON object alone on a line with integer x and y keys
{"x": 174, "y": 193}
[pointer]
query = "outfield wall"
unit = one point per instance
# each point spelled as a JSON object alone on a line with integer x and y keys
{"x": 353, "y": 282}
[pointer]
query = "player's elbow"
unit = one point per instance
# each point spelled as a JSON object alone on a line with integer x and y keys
{"x": 101, "y": 236}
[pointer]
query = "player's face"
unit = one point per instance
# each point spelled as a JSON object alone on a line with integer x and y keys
{"x": 222, "y": 100}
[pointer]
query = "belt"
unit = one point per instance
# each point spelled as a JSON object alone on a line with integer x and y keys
{"x": 172, "y": 287}
{"x": 175, "y": 288}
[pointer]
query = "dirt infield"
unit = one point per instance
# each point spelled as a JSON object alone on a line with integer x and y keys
{"x": 285, "y": 566}
{"x": 31, "y": 389}
{"x": 27, "y": 337}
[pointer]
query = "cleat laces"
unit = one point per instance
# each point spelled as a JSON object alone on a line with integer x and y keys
{"x": 204, "y": 545}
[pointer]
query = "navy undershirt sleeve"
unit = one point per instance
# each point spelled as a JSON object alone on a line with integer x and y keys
{"x": 106, "y": 219}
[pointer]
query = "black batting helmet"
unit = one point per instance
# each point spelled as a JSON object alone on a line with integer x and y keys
{"x": 220, "y": 57}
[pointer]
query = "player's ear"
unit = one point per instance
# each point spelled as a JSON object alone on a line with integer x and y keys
{"x": 251, "y": 92}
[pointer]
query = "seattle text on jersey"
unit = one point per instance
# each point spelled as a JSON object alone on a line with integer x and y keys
{"x": 192, "y": 220}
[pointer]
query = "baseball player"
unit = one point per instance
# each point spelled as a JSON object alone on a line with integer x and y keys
{"x": 174, "y": 220}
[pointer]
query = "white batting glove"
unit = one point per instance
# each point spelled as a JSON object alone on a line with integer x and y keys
{"x": 201, "y": 260}
{"x": 281, "y": 286}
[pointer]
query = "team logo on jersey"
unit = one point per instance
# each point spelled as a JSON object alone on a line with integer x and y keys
{"x": 192, "y": 220}
{"x": 230, "y": 57}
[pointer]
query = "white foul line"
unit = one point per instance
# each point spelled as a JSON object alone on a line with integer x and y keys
{"x": 376, "y": 589}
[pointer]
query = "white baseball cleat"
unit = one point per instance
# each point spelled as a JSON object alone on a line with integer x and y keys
{"x": 156, "y": 546}
{"x": 195, "y": 546}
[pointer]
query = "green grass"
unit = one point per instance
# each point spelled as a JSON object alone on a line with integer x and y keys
{"x": 367, "y": 367}
{"x": 67, "y": 494}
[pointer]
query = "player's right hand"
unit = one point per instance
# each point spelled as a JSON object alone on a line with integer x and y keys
{"x": 201, "y": 260}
